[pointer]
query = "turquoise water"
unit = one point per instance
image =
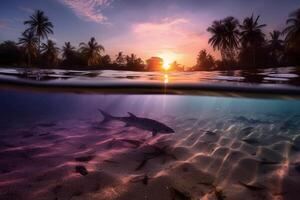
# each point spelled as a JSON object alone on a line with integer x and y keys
{"x": 54, "y": 146}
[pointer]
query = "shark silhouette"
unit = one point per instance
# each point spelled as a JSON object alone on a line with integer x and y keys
{"x": 142, "y": 123}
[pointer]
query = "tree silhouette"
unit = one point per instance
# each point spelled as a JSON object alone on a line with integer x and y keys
{"x": 276, "y": 46}
{"x": 29, "y": 43}
{"x": 218, "y": 39}
{"x": 105, "y": 61}
{"x": 71, "y": 57}
{"x": 205, "y": 61}
{"x": 292, "y": 30}
{"x": 134, "y": 63}
{"x": 175, "y": 66}
{"x": 232, "y": 36}
{"x": 120, "y": 59}
{"x": 50, "y": 52}
{"x": 292, "y": 38}
{"x": 252, "y": 36}
{"x": 225, "y": 37}
{"x": 10, "y": 53}
{"x": 92, "y": 51}
{"x": 40, "y": 25}
{"x": 68, "y": 50}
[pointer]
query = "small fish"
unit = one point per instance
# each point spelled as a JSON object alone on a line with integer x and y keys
{"x": 156, "y": 153}
{"x": 144, "y": 179}
{"x": 111, "y": 161}
{"x": 141, "y": 165}
{"x": 84, "y": 158}
{"x": 247, "y": 130}
{"x": 250, "y": 120}
{"x": 143, "y": 123}
{"x": 210, "y": 133}
{"x": 253, "y": 187}
{"x": 265, "y": 162}
{"x": 180, "y": 195}
{"x": 251, "y": 141}
{"x": 136, "y": 143}
{"x": 81, "y": 170}
{"x": 219, "y": 194}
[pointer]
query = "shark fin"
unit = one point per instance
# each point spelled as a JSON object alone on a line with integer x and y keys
{"x": 106, "y": 117}
{"x": 154, "y": 133}
{"x": 131, "y": 115}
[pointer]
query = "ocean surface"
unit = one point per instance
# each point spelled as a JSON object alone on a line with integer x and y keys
{"x": 236, "y": 135}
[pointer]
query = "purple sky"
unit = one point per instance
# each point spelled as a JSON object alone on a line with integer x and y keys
{"x": 172, "y": 29}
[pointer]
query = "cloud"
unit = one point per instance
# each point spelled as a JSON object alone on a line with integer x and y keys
{"x": 26, "y": 9}
{"x": 178, "y": 37}
{"x": 3, "y": 24}
{"x": 164, "y": 27}
{"x": 89, "y": 10}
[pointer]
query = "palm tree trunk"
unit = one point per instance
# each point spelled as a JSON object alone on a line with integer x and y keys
{"x": 223, "y": 55}
{"x": 29, "y": 60}
{"x": 253, "y": 56}
{"x": 39, "y": 47}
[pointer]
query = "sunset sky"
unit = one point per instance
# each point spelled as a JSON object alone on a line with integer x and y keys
{"x": 173, "y": 29}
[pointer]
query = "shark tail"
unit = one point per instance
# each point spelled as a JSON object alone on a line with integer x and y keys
{"x": 106, "y": 117}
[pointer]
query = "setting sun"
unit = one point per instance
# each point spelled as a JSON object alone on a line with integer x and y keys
{"x": 168, "y": 58}
{"x": 166, "y": 65}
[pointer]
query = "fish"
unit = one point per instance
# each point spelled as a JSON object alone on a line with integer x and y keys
{"x": 144, "y": 179}
{"x": 177, "y": 194}
{"x": 253, "y": 187}
{"x": 81, "y": 170}
{"x": 141, "y": 165}
{"x": 132, "y": 120}
{"x": 250, "y": 120}
{"x": 136, "y": 143}
{"x": 85, "y": 158}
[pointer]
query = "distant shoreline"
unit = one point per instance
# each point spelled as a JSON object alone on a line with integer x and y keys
{"x": 97, "y": 68}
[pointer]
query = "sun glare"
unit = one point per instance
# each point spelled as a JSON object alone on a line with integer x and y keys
{"x": 168, "y": 58}
{"x": 166, "y": 65}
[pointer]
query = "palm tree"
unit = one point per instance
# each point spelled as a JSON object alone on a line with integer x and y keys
{"x": 232, "y": 35}
{"x": 120, "y": 60}
{"x": 68, "y": 50}
{"x": 134, "y": 63}
{"x": 275, "y": 44}
{"x": 29, "y": 42}
{"x": 205, "y": 61}
{"x": 131, "y": 59}
{"x": 106, "y": 60}
{"x": 225, "y": 36}
{"x": 292, "y": 31}
{"x": 40, "y": 25}
{"x": 10, "y": 53}
{"x": 50, "y": 52}
{"x": 218, "y": 39}
{"x": 251, "y": 35}
{"x": 92, "y": 50}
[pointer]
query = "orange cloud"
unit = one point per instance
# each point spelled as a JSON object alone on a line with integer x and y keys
{"x": 178, "y": 37}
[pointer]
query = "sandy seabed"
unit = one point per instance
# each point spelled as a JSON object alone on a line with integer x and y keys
{"x": 229, "y": 157}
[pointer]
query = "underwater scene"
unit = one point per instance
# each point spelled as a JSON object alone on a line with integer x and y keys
{"x": 61, "y": 145}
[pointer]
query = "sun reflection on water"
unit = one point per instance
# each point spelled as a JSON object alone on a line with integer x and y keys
{"x": 166, "y": 78}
